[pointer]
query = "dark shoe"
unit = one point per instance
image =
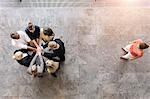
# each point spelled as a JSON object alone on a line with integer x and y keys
{"x": 123, "y": 58}
{"x": 124, "y": 50}
{"x": 54, "y": 75}
{"x": 40, "y": 75}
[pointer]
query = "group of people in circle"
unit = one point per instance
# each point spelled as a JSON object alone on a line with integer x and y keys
{"x": 38, "y": 50}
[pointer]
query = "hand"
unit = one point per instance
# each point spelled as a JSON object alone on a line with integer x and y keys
{"x": 33, "y": 49}
{"x": 38, "y": 49}
{"x": 38, "y": 52}
{"x": 41, "y": 47}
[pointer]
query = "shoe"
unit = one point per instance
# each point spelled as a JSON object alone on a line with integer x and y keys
{"x": 40, "y": 75}
{"x": 123, "y": 58}
{"x": 54, "y": 75}
{"x": 124, "y": 50}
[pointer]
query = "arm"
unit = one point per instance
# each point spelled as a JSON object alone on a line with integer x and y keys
{"x": 31, "y": 64}
{"x": 37, "y": 36}
{"x": 38, "y": 41}
{"x": 45, "y": 45}
{"x": 35, "y": 43}
{"x": 26, "y": 37}
{"x": 41, "y": 64}
{"x": 24, "y": 46}
{"x": 28, "y": 40}
{"x": 33, "y": 60}
{"x": 49, "y": 55}
{"x": 31, "y": 48}
{"x": 19, "y": 45}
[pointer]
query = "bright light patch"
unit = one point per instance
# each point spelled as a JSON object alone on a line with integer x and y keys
{"x": 131, "y": 0}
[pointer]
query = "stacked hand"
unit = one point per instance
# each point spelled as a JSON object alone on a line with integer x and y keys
{"x": 39, "y": 50}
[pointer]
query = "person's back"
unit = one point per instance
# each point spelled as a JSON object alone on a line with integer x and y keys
{"x": 20, "y": 39}
{"x": 52, "y": 66}
{"x": 58, "y": 50}
{"x": 135, "y": 48}
{"x": 61, "y": 50}
{"x": 38, "y": 62}
{"x": 26, "y": 57}
{"x": 62, "y": 47}
{"x": 33, "y": 32}
{"x": 46, "y": 34}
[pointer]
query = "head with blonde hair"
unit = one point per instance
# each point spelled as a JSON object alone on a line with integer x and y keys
{"x": 49, "y": 63}
{"x": 18, "y": 55}
{"x": 52, "y": 45}
{"x": 34, "y": 70}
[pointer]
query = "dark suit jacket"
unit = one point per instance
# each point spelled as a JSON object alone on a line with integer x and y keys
{"x": 26, "y": 60}
{"x": 58, "y": 52}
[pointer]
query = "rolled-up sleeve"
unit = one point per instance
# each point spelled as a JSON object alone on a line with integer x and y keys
{"x": 13, "y": 42}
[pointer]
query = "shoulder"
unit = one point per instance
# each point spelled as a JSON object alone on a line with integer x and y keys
{"x": 41, "y": 30}
{"x": 26, "y": 30}
{"x": 37, "y": 27}
{"x": 21, "y": 32}
{"x": 21, "y": 50}
{"x": 16, "y": 51}
{"x": 58, "y": 40}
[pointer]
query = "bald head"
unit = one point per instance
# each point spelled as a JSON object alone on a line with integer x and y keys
{"x": 14, "y": 35}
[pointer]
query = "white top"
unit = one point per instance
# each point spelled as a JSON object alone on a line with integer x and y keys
{"x": 22, "y": 41}
{"x": 24, "y": 55}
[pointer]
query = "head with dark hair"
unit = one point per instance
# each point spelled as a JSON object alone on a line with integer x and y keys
{"x": 14, "y": 35}
{"x": 31, "y": 27}
{"x": 48, "y": 31}
{"x": 143, "y": 46}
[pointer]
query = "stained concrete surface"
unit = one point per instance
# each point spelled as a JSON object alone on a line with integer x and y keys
{"x": 93, "y": 37}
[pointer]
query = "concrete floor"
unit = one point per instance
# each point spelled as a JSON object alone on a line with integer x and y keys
{"x": 93, "y": 38}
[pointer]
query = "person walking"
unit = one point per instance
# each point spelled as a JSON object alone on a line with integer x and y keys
{"x": 134, "y": 50}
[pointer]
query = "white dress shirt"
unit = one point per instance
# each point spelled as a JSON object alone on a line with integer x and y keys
{"x": 22, "y": 41}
